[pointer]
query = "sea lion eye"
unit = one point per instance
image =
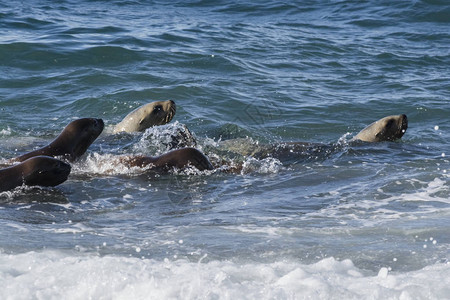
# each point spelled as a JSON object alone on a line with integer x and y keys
{"x": 157, "y": 108}
{"x": 390, "y": 123}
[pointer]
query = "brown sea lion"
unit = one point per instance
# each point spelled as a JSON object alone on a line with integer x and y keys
{"x": 389, "y": 128}
{"x": 35, "y": 171}
{"x": 179, "y": 158}
{"x": 147, "y": 115}
{"x": 72, "y": 142}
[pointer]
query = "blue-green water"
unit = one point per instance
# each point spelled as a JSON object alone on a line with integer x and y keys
{"x": 366, "y": 221}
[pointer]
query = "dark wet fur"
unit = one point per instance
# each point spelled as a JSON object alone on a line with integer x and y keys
{"x": 35, "y": 171}
{"x": 180, "y": 158}
{"x": 73, "y": 141}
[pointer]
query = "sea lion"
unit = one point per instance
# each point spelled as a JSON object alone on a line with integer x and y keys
{"x": 72, "y": 142}
{"x": 38, "y": 170}
{"x": 389, "y": 128}
{"x": 147, "y": 115}
{"x": 179, "y": 158}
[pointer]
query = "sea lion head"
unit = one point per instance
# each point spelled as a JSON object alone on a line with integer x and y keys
{"x": 157, "y": 113}
{"x": 147, "y": 115}
{"x": 44, "y": 171}
{"x": 389, "y": 128}
{"x": 78, "y": 135}
{"x": 72, "y": 142}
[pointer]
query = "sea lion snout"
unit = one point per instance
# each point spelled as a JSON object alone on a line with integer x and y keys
{"x": 62, "y": 168}
{"x": 171, "y": 110}
{"x": 99, "y": 122}
{"x": 404, "y": 122}
{"x": 173, "y": 106}
{"x": 98, "y": 125}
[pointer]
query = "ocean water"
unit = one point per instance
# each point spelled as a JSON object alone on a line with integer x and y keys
{"x": 364, "y": 221}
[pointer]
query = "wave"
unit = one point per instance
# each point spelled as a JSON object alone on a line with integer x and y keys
{"x": 37, "y": 56}
{"x": 55, "y": 274}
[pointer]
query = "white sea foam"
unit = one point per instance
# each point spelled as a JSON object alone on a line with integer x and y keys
{"x": 164, "y": 138}
{"x": 264, "y": 166}
{"x": 110, "y": 165}
{"x": 8, "y": 195}
{"x": 56, "y": 275}
{"x": 383, "y": 210}
{"x": 104, "y": 164}
{"x": 5, "y": 132}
